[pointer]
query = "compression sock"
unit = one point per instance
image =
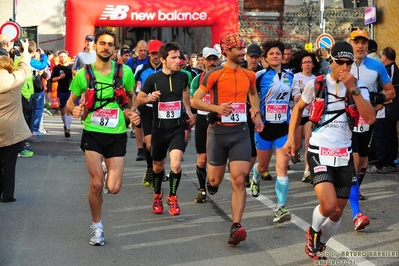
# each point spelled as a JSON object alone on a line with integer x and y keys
{"x": 354, "y": 199}
{"x": 68, "y": 121}
{"x": 148, "y": 158}
{"x": 328, "y": 229}
{"x": 361, "y": 175}
{"x": 174, "y": 180}
{"x": 282, "y": 184}
{"x": 63, "y": 117}
{"x": 256, "y": 174}
{"x": 157, "y": 179}
{"x": 317, "y": 219}
{"x": 201, "y": 175}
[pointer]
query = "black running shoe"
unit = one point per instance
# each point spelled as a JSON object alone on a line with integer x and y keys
{"x": 211, "y": 190}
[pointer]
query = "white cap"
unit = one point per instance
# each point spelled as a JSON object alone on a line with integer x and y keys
{"x": 209, "y": 51}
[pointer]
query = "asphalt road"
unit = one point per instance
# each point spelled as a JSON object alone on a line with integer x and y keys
{"x": 49, "y": 222}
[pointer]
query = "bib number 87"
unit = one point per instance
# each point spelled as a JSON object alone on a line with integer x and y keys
{"x": 104, "y": 122}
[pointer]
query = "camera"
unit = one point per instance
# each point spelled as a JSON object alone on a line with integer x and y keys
{"x": 211, "y": 117}
{"x": 18, "y": 42}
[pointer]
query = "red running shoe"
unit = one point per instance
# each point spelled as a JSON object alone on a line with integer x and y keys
{"x": 237, "y": 234}
{"x": 174, "y": 206}
{"x": 314, "y": 245}
{"x": 361, "y": 221}
{"x": 157, "y": 206}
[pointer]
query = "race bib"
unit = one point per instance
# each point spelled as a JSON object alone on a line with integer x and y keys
{"x": 276, "y": 113}
{"x": 334, "y": 156}
{"x": 105, "y": 117}
{"x": 362, "y": 126}
{"x": 207, "y": 99}
{"x": 238, "y": 115}
{"x": 169, "y": 110}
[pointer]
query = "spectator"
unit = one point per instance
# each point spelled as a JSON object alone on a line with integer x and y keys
{"x": 13, "y": 128}
{"x": 87, "y": 56}
{"x": 5, "y": 44}
{"x": 385, "y": 134}
{"x": 372, "y": 50}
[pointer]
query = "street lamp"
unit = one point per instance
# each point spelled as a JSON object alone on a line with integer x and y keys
{"x": 310, "y": 6}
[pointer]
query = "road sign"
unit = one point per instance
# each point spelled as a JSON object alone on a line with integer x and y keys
{"x": 324, "y": 41}
{"x": 12, "y": 29}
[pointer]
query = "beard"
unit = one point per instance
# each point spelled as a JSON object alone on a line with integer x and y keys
{"x": 104, "y": 58}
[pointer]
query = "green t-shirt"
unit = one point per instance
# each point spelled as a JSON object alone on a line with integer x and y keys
{"x": 110, "y": 118}
{"x": 194, "y": 85}
{"x": 190, "y": 77}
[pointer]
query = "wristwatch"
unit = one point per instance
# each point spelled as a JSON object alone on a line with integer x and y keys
{"x": 355, "y": 91}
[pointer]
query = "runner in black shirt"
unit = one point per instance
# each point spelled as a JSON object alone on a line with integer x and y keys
{"x": 168, "y": 91}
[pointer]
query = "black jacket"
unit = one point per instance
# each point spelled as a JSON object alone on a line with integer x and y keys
{"x": 392, "y": 109}
{"x": 3, "y": 51}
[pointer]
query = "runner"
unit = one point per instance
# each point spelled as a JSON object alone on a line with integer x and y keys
{"x": 167, "y": 90}
{"x": 104, "y": 132}
{"x": 228, "y": 133}
{"x": 329, "y": 155}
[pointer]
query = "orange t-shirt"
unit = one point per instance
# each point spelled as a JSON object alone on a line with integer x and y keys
{"x": 228, "y": 85}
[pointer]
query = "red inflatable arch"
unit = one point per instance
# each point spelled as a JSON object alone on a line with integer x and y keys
{"x": 83, "y": 15}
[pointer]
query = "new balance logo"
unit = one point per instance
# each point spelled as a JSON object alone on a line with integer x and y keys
{"x": 119, "y": 12}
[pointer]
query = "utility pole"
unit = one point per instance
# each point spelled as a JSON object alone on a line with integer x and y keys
{"x": 14, "y": 8}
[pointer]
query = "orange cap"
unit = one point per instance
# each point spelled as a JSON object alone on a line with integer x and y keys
{"x": 359, "y": 34}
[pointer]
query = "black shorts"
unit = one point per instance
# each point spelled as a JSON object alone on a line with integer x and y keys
{"x": 341, "y": 176}
{"x": 274, "y": 131}
{"x": 146, "y": 117}
{"x": 304, "y": 120}
{"x": 163, "y": 139}
{"x": 109, "y": 145}
{"x": 361, "y": 142}
{"x": 251, "y": 127}
{"x": 201, "y": 127}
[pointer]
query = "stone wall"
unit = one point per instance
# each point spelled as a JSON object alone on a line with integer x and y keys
{"x": 292, "y": 25}
{"x": 387, "y": 26}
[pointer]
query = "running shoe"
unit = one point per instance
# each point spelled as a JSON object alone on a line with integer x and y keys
{"x": 147, "y": 178}
{"x": 374, "y": 169}
{"x": 174, "y": 206}
{"x": 313, "y": 244}
{"x": 247, "y": 182}
{"x": 390, "y": 169}
{"x": 133, "y": 134}
{"x": 67, "y": 132}
{"x": 105, "y": 189}
{"x": 25, "y": 153}
{"x": 201, "y": 197}
{"x": 267, "y": 176}
{"x": 165, "y": 177}
{"x": 361, "y": 221}
{"x": 140, "y": 155}
{"x": 296, "y": 158}
{"x": 37, "y": 133}
{"x": 361, "y": 197}
{"x": 237, "y": 234}
{"x": 157, "y": 206}
{"x": 282, "y": 215}
{"x": 97, "y": 238}
{"x": 255, "y": 188}
{"x": 306, "y": 177}
{"x": 211, "y": 190}
{"x": 396, "y": 161}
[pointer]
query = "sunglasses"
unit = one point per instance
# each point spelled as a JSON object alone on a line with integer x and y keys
{"x": 341, "y": 62}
